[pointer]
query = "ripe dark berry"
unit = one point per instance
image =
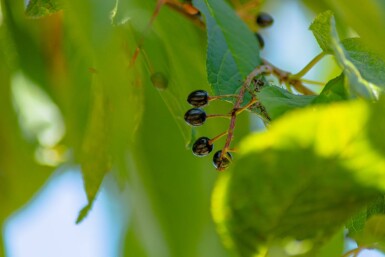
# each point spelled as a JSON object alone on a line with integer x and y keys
{"x": 202, "y": 146}
{"x": 260, "y": 40}
{"x": 264, "y": 20}
{"x": 195, "y": 117}
{"x": 221, "y": 163}
{"x": 198, "y": 98}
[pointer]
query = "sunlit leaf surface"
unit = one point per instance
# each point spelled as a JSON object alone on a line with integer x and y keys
{"x": 302, "y": 179}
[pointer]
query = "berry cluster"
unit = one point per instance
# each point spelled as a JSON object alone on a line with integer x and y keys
{"x": 263, "y": 20}
{"x": 197, "y": 117}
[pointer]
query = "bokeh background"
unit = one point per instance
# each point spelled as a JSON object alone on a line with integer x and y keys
{"x": 63, "y": 77}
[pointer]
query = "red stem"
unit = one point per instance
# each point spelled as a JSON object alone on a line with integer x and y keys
{"x": 245, "y": 85}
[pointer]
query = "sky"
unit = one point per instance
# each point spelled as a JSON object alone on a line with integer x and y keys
{"x": 46, "y": 226}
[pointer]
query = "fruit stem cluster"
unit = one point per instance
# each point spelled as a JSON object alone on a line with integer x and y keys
{"x": 237, "y": 106}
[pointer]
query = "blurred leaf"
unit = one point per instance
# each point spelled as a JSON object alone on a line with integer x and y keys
{"x": 375, "y": 227}
{"x": 302, "y": 179}
{"x": 367, "y": 20}
{"x": 321, "y": 28}
{"x": 333, "y": 91}
{"x": 376, "y": 127}
{"x": 132, "y": 245}
{"x": 21, "y": 33}
{"x": 162, "y": 171}
{"x": 325, "y": 32}
{"x": 373, "y": 233}
{"x": 21, "y": 176}
{"x": 169, "y": 173}
{"x": 357, "y": 223}
{"x": 114, "y": 102}
{"x": 95, "y": 159}
{"x": 40, "y": 8}
{"x": 370, "y": 65}
{"x": 278, "y": 101}
{"x": 232, "y": 51}
{"x": 335, "y": 246}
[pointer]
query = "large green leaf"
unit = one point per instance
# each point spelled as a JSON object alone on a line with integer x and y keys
{"x": 357, "y": 223}
{"x": 367, "y": 19}
{"x": 377, "y": 126}
{"x": 115, "y": 104}
{"x": 302, "y": 180}
{"x": 321, "y": 28}
{"x": 21, "y": 175}
{"x": 232, "y": 51}
{"x": 360, "y": 66}
{"x": 278, "y": 101}
{"x": 333, "y": 91}
{"x": 370, "y": 64}
{"x": 162, "y": 171}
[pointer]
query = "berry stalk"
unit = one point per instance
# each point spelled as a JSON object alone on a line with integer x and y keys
{"x": 245, "y": 86}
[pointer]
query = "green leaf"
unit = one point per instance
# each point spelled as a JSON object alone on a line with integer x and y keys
{"x": 106, "y": 94}
{"x": 360, "y": 67}
{"x": 335, "y": 246}
{"x": 232, "y": 51}
{"x": 278, "y": 101}
{"x": 357, "y": 223}
{"x": 375, "y": 227}
{"x": 376, "y": 127}
{"x": 370, "y": 64}
{"x": 321, "y": 28}
{"x": 373, "y": 233}
{"x": 370, "y": 23}
{"x": 21, "y": 175}
{"x": 161, "y": 170}
{"x": 41, "y": 8}
{"x": 302, "y": 180}
{"x": 333, "y": 91}
{"x": 95, "y": 156}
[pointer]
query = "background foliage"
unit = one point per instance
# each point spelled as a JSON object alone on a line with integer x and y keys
{"x": 315, "y": 177}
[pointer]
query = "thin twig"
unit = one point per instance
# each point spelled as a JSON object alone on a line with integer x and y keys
{"x": 159, "y": 5}
{"x": 187, "y": 10}
{"x": 285, "y": 77}
{"x": 309, "y": 66}
{"x": 354, "y": 252}
{"x": 217, "y": 137}
{"x": 308, "y": 81}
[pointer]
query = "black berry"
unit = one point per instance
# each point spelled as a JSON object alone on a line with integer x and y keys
{"x": 221, "y": 163}
{"x": 195, "y": 117}
{"x": 202, "y": 146}
{"x": 198, "y": 98}
{"x": 264, "y": 20}
{"x": 260, "y": 40}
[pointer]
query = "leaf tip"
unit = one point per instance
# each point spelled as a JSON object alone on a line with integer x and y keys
{"x": 83, "y": 213}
